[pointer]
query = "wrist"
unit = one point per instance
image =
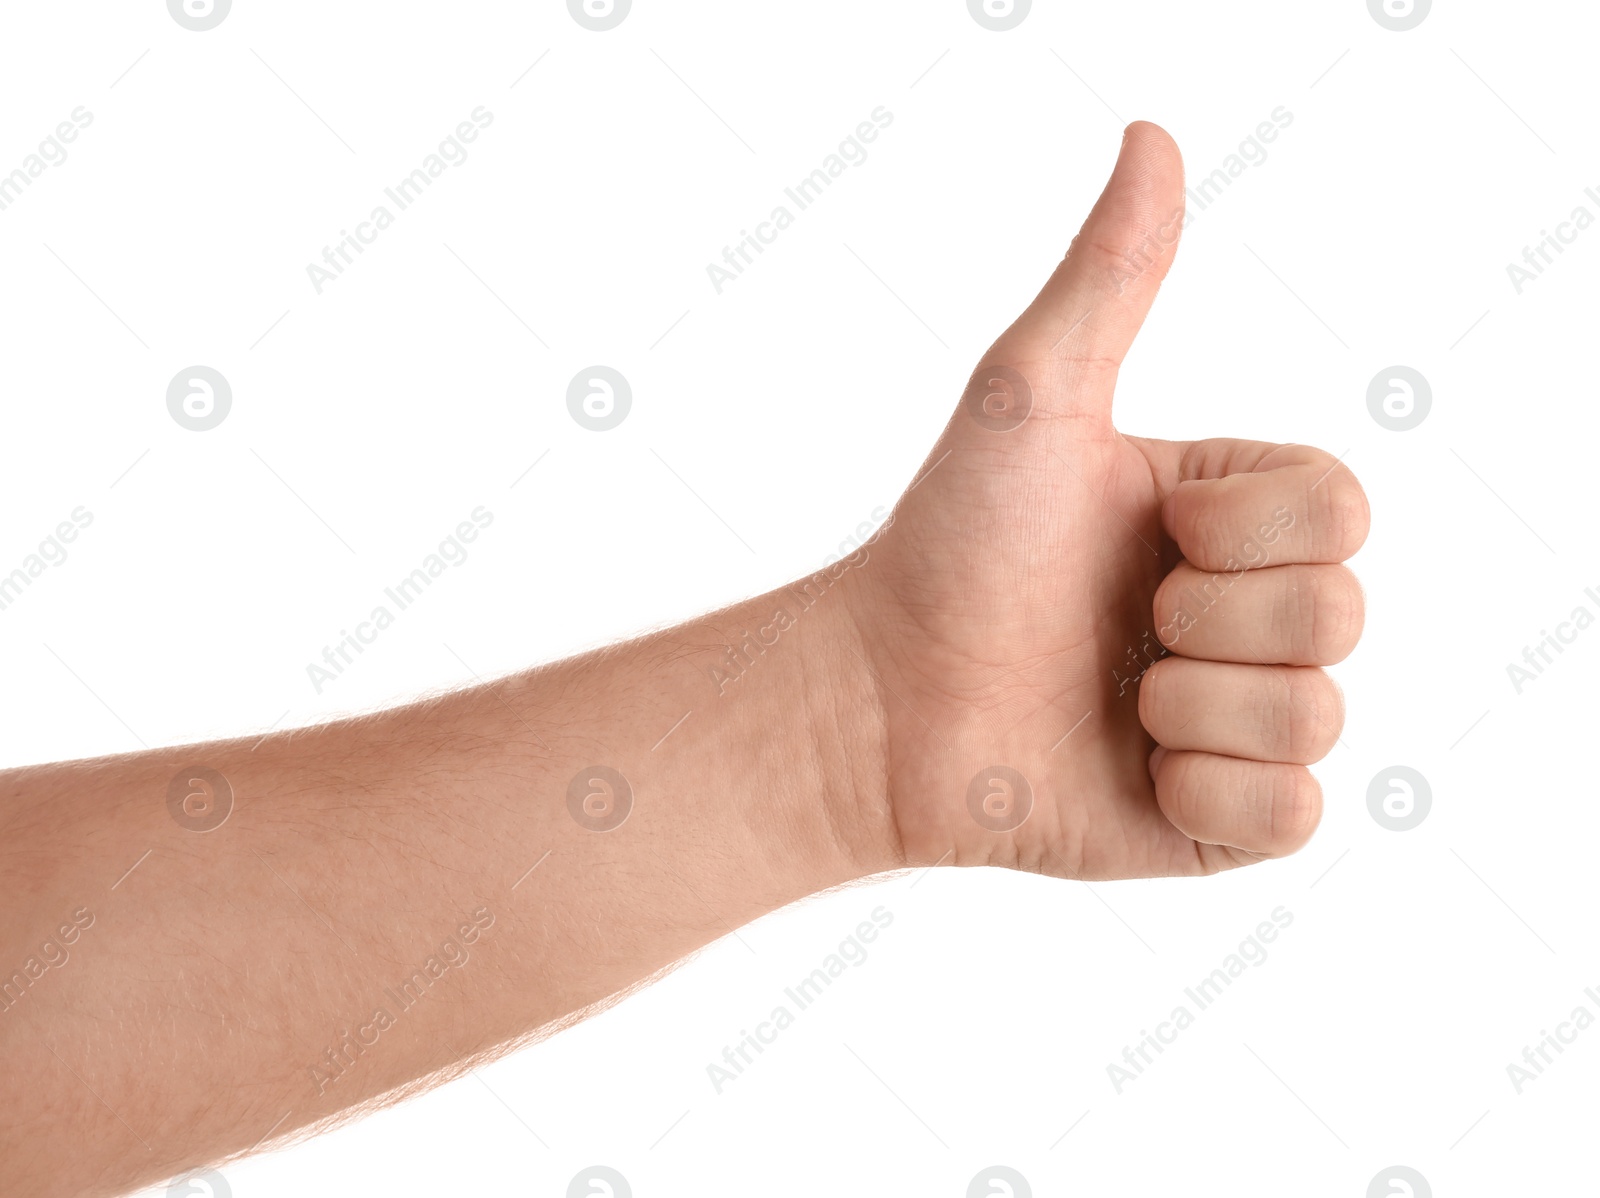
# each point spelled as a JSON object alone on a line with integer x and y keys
{"x": 846, "y": 714}
{"x": 792, "y": 673}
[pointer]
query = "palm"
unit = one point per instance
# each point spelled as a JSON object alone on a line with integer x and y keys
{"x": 1010, "y": 602}
{"x": 1018, "y": 579}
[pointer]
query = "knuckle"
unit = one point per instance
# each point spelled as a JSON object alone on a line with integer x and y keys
{"x": 1167, "y": 605}
{"x": 1202, "y": 519}
{"x": 1337, "y": 615}
{"x": 1105, "y": 253}
{"x": 1153, "y": 701}
{"x": 1295, "y": 808}
{"x": 1294, "y": 613}
{"x": 1191, "y": 787}
{"x": 1273, "y": 715}
{"x": 1341, "y": 516}
{"x": 1314, "y": 716}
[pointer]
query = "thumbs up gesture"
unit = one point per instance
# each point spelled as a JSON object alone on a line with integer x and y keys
{"x": 1098, "y": 656}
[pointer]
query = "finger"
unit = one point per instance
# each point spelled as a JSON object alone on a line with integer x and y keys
{"x": 1292, "y": 615}
{"x": 1266, "y": 713}
{"x": 1264, "y": 808}
{"x": 1297, "y": 504}
{"x": 1092, "y": 306}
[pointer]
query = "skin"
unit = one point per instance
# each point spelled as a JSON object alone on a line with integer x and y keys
{"x": 1070, "y": 651}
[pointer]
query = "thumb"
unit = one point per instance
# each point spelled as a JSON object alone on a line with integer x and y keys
{"x": 1090, "y": 310}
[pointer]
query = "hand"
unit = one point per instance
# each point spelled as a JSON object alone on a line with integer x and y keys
{"x": 1129, "y": 629}
{"x": 983, "y": 667}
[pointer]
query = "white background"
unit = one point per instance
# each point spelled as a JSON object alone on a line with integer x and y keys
{"x": 370, "y": 419}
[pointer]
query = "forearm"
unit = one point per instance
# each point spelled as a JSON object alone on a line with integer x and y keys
{"x": 393, "y": 895}
{"x": 390, "y": 894}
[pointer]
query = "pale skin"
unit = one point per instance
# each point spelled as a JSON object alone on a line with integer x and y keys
{"x": 1008, "y": 616}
